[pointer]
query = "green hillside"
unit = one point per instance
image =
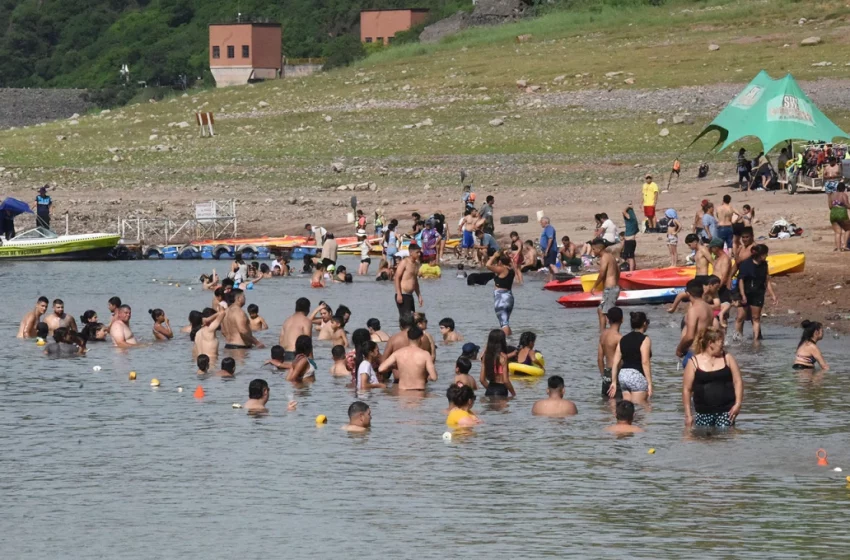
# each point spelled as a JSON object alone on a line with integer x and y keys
{"x": 85, "y": 42}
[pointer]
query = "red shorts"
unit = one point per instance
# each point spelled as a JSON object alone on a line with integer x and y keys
{"x": 649, "y": 211}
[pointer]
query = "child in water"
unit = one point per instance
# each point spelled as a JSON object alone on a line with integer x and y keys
{"x": 257, "y": 322}
{"x": 447, "y": 329}
{"x": 461, "y": 414}
{"x": 462, "y": 377}
{"x": 318, "y": 279}
{"x": 277, "y": 357}
{"x": 203, "y": 364}
{"x": 41, "y": 332}
{"x": 339, "y": 367}
{"x": 161, "y": 325}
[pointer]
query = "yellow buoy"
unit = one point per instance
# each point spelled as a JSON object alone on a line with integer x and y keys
{"x": 133, "y": 377}
{"x": 651, "y": 451}
{"x": 321, "y": 419}
{"x": 154, "y": 382}
{"x": 40, "y": 342}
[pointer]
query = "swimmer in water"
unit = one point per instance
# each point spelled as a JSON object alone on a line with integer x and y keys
{"x": 609, "y": 341}
{"x": 555, "y": 405}
{"x": 447, "y": 329}
{"x": 41, "y": 331}
{"x": 415, "y": 366}
{"x": 808, "y": 354}
{"x": 461, "y": 415}
{"x": 59, "y": 318}
{"x": 374, "y": 326}
{"x": 94, "y": 332}
{"x": 462, "y": 377}
{"x": 235, "y": 326}
{"x": 698, "y": 319}
{"x": 256, "y": 321}
{"x": 161, "y": 325}
{"x": 359, "y": 417}
{"x": 339, "y": 367}
{"x": 526, "y": 354}
{"x": 625, "y": 412}
{"x": 494, "y": 367}
{"x": 294, "y": 326}
{"x": 65, "y": 344}
{"x": 258, "y": 396}
{"x": 338, "y": 337}
{"x": 367, "y": 354}
{"x": 303, "y": 368}
{"x": 32, "y": 318}
{"x": 120, "y": 331}
{"x": 428, "y": 343}
{"x": 277, "y": 358}
{"x": 323, "y": 321}
{"x": 90, "y": 316}
{"x": 113, "y": 304}
{"x": 203, "y": 334}
{"x": 209, "y": 281}
{"x": 318, "y": 278}
{"x": 203, "y": 364}
{"x": 228, "y": 368}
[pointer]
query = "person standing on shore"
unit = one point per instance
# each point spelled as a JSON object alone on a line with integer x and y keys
{"x": 43, "y": 208}
{"x": 630, "y": 236}
{"x": 649, "y": 194}
{"x": 725, "y": 215}
{"x": 486, "y": 214}
{"x": 549, "y": 246}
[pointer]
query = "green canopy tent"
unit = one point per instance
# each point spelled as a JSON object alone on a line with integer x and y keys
{"x": 774, "y": 111}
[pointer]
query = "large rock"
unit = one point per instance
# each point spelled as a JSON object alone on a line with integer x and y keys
{"x": 809, "y": 41}
{"x": 486, "y": 12}
{"x": 445, "y": 27}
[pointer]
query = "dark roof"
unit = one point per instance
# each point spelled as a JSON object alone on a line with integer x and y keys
{"x": 255, "y": 24}
{"x": 420, "y": 10}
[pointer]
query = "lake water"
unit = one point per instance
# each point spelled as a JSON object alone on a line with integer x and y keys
{"x": 96, "y": 466}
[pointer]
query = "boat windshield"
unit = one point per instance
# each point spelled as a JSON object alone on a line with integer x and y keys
{"x": 37, "y": 233}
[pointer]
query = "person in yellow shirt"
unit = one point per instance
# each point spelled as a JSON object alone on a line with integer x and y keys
{"x": 650, "y": 200}
{"x": 460, "y": 416}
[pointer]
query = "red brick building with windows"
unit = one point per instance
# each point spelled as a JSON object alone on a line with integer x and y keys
{"x": 240, "y": 52}
{"x": 380, "y": 26}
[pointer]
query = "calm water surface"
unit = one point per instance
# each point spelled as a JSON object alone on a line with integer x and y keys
{"x": 96, "y": 466}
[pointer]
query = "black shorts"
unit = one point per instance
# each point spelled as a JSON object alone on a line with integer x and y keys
{"x": 629, "y": 247}
{"x": 738, "y": 229}
{"x": 550, "y": 259}
{"x": 496, "y": 390}
{"x": 756, "y": 298}
{"x": 367, "y": 260}
{"x": 236, "y": 347}
{"x": 327, "y": 262}
{"x": 702, "y": 278}
{"x": 724, "y": 295}
{"x": 407, "y": 304}
{"x": 530, "y": 268}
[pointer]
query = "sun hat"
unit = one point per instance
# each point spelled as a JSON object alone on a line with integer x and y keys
{"x": 671, "y": 214}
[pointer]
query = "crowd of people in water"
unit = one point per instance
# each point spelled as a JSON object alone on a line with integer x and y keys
{"x": 372, "y": 360}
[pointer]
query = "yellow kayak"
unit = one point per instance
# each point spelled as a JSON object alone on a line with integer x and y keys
{"x": 782, "y": 263}
{"x": 378, "y": 249}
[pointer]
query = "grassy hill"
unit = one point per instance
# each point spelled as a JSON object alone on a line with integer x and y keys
{"x": 415, "y": 114}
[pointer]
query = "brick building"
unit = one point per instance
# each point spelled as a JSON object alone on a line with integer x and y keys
{"x": 380, "y": 26}
{"x": 241, "y": 52}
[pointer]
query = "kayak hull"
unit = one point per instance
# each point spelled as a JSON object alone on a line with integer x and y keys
{"x": 635, "y": 297}
{"x": 571, "y": 285}
{"x": 90, "y": 247}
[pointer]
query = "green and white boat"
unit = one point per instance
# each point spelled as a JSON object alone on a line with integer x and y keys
{"x": 41, "y": 244}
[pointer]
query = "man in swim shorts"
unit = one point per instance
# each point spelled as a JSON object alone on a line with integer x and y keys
{"x": 555, "y": 405}
{"x": 236, "y": 326}
{"x": 723, "y": 270}
{"x": 608, "y": 278}
{"x": 649, "y": 194}
{"x": 415, "y": 366}
{"x": 407, "y": 281}
{"x": 607, "y": 348}
{"x": 468, "y": 225}
{"x": 294, "y": 326}
{"x": 698, "y": 319}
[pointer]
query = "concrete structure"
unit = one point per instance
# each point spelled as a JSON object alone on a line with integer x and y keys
{"x": 241, "y": 52}
{"x": 382, "y": 25}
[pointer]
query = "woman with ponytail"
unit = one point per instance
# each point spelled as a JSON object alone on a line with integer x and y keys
{"x": 713, "y": 380}
{"x": 808, "y": 353}
{"x": 367, "y": 354}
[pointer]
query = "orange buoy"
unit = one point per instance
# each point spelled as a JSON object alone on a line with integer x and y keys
{"x": 199, "y": 392}
{"x": 821, "y": 454}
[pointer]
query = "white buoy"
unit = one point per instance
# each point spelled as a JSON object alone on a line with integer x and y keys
{"x": 96, "y": 368}
{"x": 153, "y": 279}
{"x": 447, "y": 436}
{"x": 236, "y": 405}
{"x": 190, "y": 287}
{"x": 179, "y": 389}
{"x": 837, "y": 469}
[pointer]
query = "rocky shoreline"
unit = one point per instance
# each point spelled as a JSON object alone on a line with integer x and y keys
{"x": 26, "y": 107}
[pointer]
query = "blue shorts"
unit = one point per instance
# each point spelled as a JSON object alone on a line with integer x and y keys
{"x": 688, "y": 355}
{"x": 468, "y": 240}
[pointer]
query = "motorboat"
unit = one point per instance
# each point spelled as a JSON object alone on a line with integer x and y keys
{"x": 42, "y": 244}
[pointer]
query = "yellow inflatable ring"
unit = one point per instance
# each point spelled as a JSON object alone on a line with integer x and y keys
{"x": 517, "y": 368}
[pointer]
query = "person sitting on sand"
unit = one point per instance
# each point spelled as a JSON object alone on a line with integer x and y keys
{"x": 447, "y": 329}
{"x": 203, "y": 364}
{"x": 625, "y": 412}
{"x": 339, "y": 367}
{"x": 555, "y": 405}
{"x": 808, "y": 354}
{"x": 255, "y": 320}
{"x": 359, "y": 417}
{"x": 462, "y": 377}
{"x": 228, "y": 368}
{"x": 461, "y": 414}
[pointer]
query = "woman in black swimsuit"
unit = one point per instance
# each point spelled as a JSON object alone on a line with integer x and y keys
{"x": 808, "y": 354}
{"x": 712, "y": 378}
{"x": 494, "y": 367}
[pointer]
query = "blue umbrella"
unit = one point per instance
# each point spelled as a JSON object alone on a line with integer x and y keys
{"x": 16, "y": 206}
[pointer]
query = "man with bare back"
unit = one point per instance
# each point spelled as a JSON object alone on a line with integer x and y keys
{"x": 698, "y": 318}
{"x": 297, "y": 324}
{"x": 608, "y": 342}
{"x": 608, "y": 278}
{"x": 725, "y": 215}
{"x": 723, "y": 270}
{"x": 236, "y": 327}
{"x": 415, "y": 366}
{"x": 206, "y": 340}
{"x": 407, "y": 281}
{"x": 468, "y": 225}
{"x": 31, "y": 319}
{"x": 120, "y": 331}
{"x": 399, "y": 340}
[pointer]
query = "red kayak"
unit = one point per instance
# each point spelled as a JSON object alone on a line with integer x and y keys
{"x": 635, "y": 297}
{"x": 654, "y": 278}
{"x": 571, "y": 285}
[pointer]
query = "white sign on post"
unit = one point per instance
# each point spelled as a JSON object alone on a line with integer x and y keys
{"x": 205, "y": 211}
